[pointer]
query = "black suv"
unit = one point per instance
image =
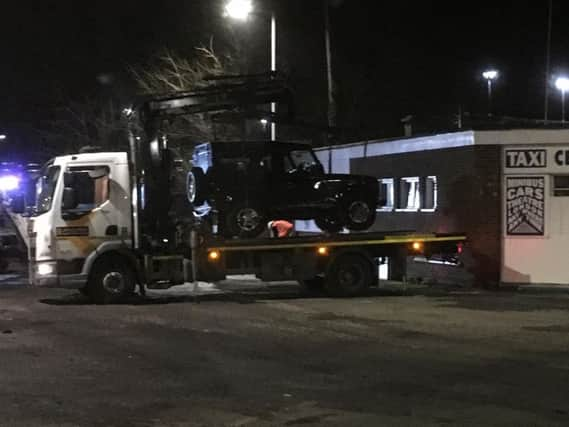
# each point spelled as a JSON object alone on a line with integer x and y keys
{"x": 250, "y": 183}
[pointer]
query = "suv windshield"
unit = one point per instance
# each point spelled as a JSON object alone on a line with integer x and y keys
{"x": 300, "y": 160}
{"x": 45, "y": 188}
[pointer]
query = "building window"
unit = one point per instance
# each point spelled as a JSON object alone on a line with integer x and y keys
{"x": 386, "y": 194}
{"x": 409, "y": 194}
{"x": 561, "y": 185}
{"x": 430, "y": 194}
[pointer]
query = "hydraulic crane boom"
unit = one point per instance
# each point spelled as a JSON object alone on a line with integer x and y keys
{"x": 151, "y": 158}
{"x": 221, "y": 94}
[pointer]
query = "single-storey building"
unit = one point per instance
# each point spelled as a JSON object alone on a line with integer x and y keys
{"x": 508, "y": 190}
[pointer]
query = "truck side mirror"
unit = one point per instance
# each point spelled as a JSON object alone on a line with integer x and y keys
{"x": 69, "y": 199}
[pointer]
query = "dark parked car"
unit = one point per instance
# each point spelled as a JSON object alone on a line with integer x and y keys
{"x": 250, "y": 183}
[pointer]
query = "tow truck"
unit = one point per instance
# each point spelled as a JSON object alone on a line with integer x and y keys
{"x": 105, "y": 222}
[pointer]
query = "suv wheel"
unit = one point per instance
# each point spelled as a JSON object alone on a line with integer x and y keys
{"x": 329, "y": 224}
{"x": 196, "y": 186}
{"x": 360, "y": 215}
{"x": 245, "y": 221}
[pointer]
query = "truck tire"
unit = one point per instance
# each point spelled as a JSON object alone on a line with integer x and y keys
{"x": 196, "y": 186}
{"x": 360, "y": 215}
{"x": 244, "y": 220}
{"x": 111, "y": 280}
{"x": 348, "y": 275}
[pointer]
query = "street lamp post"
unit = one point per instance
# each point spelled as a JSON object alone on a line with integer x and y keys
{"x": 562, "y": 84}
{"x": 273, "y": 69}
{"x": 490, "y": 76}
{"x": 240, "y": 10}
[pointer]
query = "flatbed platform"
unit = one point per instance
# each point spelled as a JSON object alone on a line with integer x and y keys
{"x": 342, "y": 264}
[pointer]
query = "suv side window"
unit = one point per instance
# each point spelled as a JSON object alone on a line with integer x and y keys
{"x": 288, "y": 165}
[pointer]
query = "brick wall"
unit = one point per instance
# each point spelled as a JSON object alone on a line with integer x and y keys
{"x": 469, "y": 200}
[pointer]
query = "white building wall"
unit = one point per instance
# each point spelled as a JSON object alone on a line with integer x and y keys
{"x": 337, "y": 159}
{"x": 526, "y": 258}
{"x": 534, "y": 254}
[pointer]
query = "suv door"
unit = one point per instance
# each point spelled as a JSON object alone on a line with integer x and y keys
{"x": 299, "y": 170}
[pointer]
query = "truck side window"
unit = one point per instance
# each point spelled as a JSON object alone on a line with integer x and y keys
{"x": 91, "y": 185}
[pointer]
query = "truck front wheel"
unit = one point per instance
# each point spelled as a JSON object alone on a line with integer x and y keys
{"x": 348, "y": 275}
{"x": 111, "y": 280}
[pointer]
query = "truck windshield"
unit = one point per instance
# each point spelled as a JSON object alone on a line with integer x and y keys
{"x": 46, "y": 188}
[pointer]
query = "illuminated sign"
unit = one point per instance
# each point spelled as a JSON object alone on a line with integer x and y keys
{"x": 525, "y": 206}
{"x": 526, "y": 158}
{"x": 562, "y": 157}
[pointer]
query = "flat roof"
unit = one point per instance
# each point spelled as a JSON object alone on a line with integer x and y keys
{"x": 456, "y": 140}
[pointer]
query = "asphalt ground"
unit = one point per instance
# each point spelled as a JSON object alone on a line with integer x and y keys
{"x": 245, "y": 354}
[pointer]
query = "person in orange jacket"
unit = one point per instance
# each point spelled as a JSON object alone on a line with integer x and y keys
{"x": 280, "y": 228}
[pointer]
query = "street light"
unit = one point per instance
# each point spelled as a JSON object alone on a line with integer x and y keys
{"x": 240, "y": 10}
{"x": 562, "y": 84}
{"x": 3, "y": 137}
{"x": 490, "y": 76}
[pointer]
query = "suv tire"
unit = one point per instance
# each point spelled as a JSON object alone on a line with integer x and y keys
{"x": 196, "y": 186}
{"x": 329, "y": 223}
{"x": 244, "y": 220}
{"x": 360, "y": 215}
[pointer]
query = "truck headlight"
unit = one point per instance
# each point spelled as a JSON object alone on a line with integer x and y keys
{"x": 46, "y": 269}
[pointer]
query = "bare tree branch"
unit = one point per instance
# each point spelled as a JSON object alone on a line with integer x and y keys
{"x": 173, "y": 73}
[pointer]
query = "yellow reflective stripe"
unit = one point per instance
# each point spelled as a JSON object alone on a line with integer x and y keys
{"x": 386, "y": 241}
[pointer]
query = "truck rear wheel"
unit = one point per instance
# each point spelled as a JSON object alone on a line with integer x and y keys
{"x": 111, "y": 280}
{"x": 349, "y": 275}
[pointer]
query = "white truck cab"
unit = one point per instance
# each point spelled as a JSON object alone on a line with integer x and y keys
{"x": 83, "y": 212}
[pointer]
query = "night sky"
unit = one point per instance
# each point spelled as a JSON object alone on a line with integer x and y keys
{"x": 390, "y": 58}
